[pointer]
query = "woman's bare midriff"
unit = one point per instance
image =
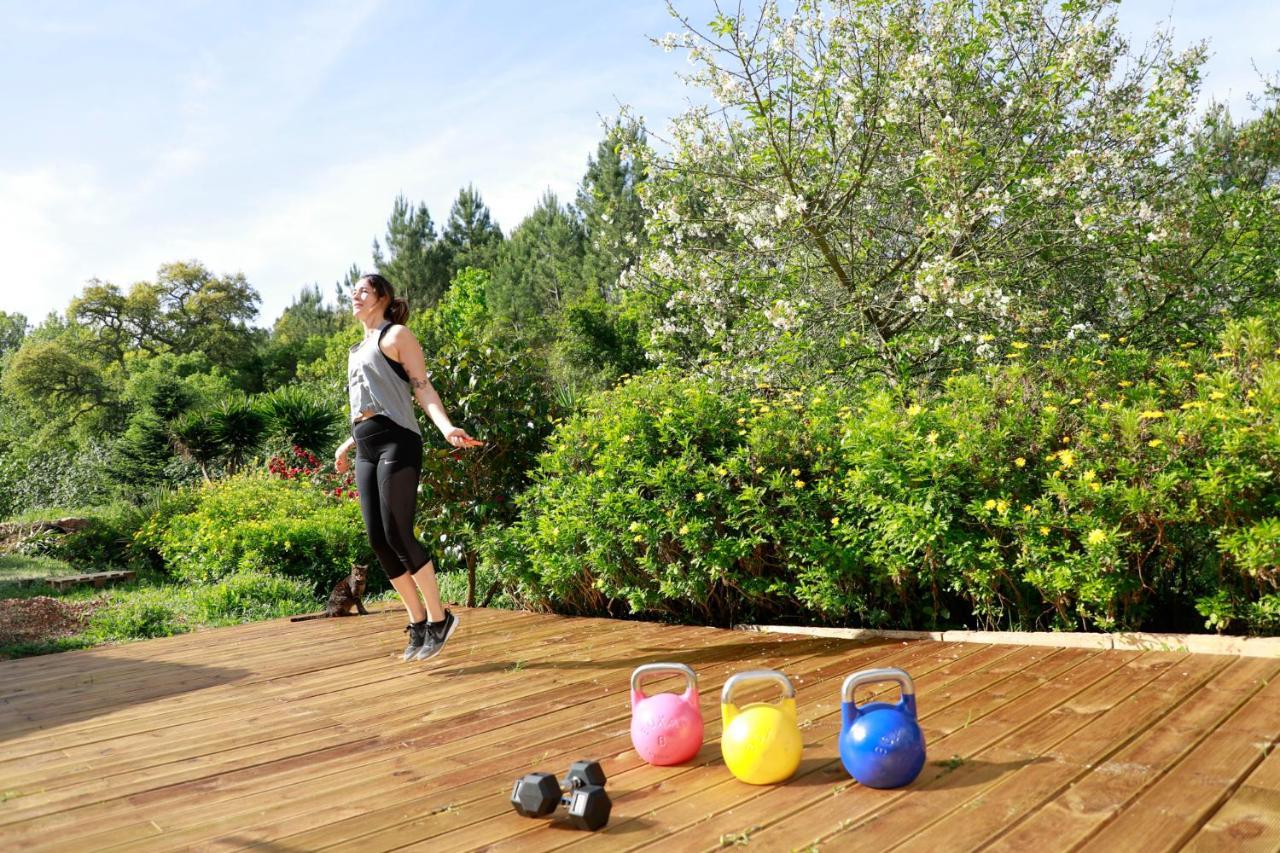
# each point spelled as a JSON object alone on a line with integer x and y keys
{"x": 365, "y": 415}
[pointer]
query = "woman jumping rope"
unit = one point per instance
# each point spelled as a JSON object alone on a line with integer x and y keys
{"x": 383, "y": 371}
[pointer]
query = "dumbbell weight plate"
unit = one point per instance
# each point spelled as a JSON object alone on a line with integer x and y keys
{"x": 589, "y": 807}
{"x": 535, "y": 794}
{"x": 585, "y": 773}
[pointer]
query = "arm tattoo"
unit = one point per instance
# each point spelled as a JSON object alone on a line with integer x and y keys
{"x": 420, "y": 383}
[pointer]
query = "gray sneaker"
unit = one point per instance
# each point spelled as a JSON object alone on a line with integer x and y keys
{"x": 436, "y": 636}
{"x": 417, "y": 636}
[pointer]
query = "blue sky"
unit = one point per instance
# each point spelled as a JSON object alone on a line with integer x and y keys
{"x": 272, "y": 138}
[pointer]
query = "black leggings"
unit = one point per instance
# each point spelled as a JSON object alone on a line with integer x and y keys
{"x": 388, "y": 464}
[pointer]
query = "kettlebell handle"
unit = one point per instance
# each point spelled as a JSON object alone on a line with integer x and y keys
{"x": 872, "y": 676}
{"x": 666, "y": 668}
{"x": 736, "y": 681}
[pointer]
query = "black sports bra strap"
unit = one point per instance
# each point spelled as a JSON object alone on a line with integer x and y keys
{"x": 395, "y": 365}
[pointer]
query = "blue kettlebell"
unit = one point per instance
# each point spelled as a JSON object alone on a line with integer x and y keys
{"x": 881, "y": 744}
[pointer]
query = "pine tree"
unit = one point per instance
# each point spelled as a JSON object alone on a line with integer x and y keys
{"x": 539, "y": 270}
{"x": 612, "y": 215}
{"x": 416, "y": 262}
{"x": 472, "y": 236}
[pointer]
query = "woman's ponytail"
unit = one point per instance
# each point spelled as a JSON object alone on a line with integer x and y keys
{"x": 397, "y": 310}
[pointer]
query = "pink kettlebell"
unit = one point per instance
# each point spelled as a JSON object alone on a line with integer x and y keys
{"x": 666, "y": 728}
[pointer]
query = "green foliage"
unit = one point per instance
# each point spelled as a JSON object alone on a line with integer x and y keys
{"x": 873, "y": 187}
{"x": 498, "y": 395}
{"x": 53, "y": 381}
{"x": 141, "y": 614}
{"x": 253, "y": 522}
{"x": 299, "y": 335}
{"x": 186, "y": 309}
{"x": 612, "y": 215}
{"x": 414, "y": 260}
{"x": 296, "y": 417}
{"x": 47, "y": 474}
{"x": 539, "y": 270}
{"x": 13, "y": 328}
{"x": 1104, "y": 486}
{"x": 472, "y": 236}
{"x": 252, "y": 595}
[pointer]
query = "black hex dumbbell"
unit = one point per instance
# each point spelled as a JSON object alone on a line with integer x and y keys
{"x": 538, "y": 794}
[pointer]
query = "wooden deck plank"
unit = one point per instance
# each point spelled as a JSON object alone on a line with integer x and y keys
{"x": 707, "y": 786}
{"x": 485, "y": 795}
{"x": 799, "y": 813}
{"x": 1250, "y": 819}
{"x": 410, "y": 669}
{"x": 1168, "y": 812}
{"x": 1109, "y": 787}
{"x": 312, "y": 735}
{"x": 371, "y": 762}
{"x": 1052, "y": 751}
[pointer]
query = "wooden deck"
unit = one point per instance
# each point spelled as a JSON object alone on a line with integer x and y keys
{"x": 312, "y": 735}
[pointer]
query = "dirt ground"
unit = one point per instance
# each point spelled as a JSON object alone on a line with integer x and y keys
{"x": 26, "y": 620}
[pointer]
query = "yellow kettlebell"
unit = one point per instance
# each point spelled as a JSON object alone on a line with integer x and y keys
{"x": 760, "y": 742}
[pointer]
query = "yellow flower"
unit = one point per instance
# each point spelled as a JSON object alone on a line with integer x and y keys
{"x": 1021, "y": 461}
{"x": 1019, "y": 344}
{"x": 986, "y": 338}
{"x": 1202, "y": 376}
{"x": 759, "y": 469}
{"x": 1051, "y": 408}
{"x": 1097, "y": 537}
{"x": 1066, "y": 439}
{"x": 1182, "y": 364}
{"x": 1150, "y": 415}
{"x": 1216, "y": 395}
{"x": 1076, "y": 401}
{"x": 1044, "y": 531}
{"x": 684, "y": 529}
{"x": 1155, "y": 442}
{"x": 1103, "y": 336}
{"x": 1088, "y": 476}
{"x": 1002, "y": 507}
{"x": 1097, "y": 487}
{"x": 914, "y": 410}
{"x": 835, "y": 522}
{"x": 795, "y": 472}
{"x": 1066, "y": 458}
{"x": 1106, "y": 405}
{"x": 1124, "y": 383}
{"x": 699, "y": 497}
{"x": 634, "y": 526}
{"x": 932, "y": 437}
{"x": 1193, "y": 404}
{"x": 637, "y": 538}
{"x": 990, "y": 504}
{"x": 799, "y": 484}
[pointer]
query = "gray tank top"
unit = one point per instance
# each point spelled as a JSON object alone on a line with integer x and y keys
{"x": 372, "y": 383}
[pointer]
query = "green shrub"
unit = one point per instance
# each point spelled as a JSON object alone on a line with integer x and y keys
{"x": 251, "y": 595}
{"x": 140, "y": 614}
{"x": 257, "y": 523}
{"x": 1101, "y": 487}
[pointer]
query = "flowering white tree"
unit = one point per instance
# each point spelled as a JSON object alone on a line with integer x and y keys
{"x": 874, "y": 184}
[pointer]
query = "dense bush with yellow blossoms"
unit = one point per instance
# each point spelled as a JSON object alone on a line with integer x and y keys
{"x": 1098, "y": 486}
